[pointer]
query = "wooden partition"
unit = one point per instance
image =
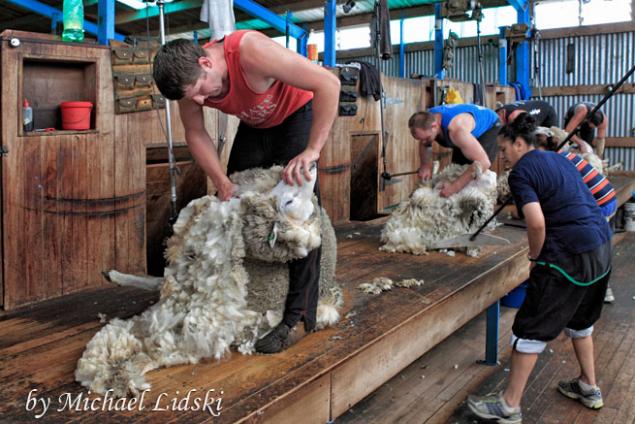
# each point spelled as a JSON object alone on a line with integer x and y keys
{"x": 403, "y": 98}
{"x": 334, "y": 170}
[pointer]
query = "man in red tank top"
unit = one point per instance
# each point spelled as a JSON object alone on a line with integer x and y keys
{"x": 286, "y": 106}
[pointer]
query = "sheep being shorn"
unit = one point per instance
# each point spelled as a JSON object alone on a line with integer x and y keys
{"x": 224, "y": 286}
{"x": 427, "y": 217}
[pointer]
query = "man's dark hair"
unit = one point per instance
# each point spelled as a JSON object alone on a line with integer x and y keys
{"x": 176, "y": 66}
{"x": 421, "y": 120}
{"x": 524, "y": 126}
{"x": 597, "y": 118}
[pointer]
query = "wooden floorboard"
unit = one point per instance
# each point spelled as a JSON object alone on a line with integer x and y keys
{"x": 320, "y": 376}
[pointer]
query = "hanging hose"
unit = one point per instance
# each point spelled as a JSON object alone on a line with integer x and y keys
{"x": 479, "y": 48}
{"x": 173, "y": 170}
{"x": 597, "y": 107}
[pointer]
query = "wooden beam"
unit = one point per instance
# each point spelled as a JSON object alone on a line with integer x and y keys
{"x": 579, "y": 90}
{"x": 620, "y": 142}
{"x": 588, "y": 30}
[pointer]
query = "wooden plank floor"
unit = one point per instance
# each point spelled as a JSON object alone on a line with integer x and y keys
{"x": 39, "y": 346}
{"x": 315, "y": 380}
{"x": 433, "y": 388}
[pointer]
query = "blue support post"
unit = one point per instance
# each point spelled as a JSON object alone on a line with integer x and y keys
{"x": 279, "y": 23}
{"x": 502, "y": 57}
{"x": 301, "y": 44}
{"x": 49, "y": 11}
{"x": 195, "y": 36}
{"x": 438, "y": 42}
{"x": 329, "y": 33}
{"x": 491, "y": 336}
{"x": 402, "y": 51}
{"x": 106, "y": 13}
{"x": 55, "y": 20}
{"x": 522, "y": 51}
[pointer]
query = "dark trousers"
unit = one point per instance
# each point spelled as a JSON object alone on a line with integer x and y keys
{"x": 487, "y": 140}
{"x": 265, "y": 147}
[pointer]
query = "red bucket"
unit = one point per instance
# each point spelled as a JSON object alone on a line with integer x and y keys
{"x": 76, "y": 115}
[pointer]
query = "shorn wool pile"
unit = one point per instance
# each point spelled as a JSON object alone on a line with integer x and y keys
{"x": 225, "y": 284}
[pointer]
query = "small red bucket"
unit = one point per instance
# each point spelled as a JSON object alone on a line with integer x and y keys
{"x": 76, "y": 115}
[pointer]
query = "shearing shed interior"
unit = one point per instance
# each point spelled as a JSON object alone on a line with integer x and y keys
{"x": 317, "y": 211}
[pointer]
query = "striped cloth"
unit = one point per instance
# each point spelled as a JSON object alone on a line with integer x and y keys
{"x": 600, "y": 187}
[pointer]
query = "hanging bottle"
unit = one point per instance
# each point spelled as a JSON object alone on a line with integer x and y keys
{"x": 73, "y": 20}
{"x": 312, "y": 47}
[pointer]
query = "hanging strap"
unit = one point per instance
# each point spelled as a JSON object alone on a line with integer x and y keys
{"x": 570, "y": 278}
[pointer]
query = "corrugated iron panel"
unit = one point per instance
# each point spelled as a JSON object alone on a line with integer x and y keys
{"x": 598, "y": 59}
{"x": 465, "y": 65}
{"x": 623, "y": 155}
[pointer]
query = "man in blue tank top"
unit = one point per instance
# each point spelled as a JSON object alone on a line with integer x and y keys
{"x": 470, "y": 131}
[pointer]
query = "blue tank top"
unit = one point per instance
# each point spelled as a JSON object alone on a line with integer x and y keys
{"x": 485, "y": 118}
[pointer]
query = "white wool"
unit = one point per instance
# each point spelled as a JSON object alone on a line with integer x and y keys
{"x": 380, "y": 284}
{"x": 427, "y": 217}
{"x": 204, "y": 308}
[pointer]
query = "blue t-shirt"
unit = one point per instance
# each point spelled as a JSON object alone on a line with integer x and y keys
{"x": 574, "y": 222}
{"x": 484, "y": 118}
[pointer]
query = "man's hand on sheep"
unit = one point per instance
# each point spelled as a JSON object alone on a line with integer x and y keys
{"x": 225, "y": 187}
{"x": 448, "y": 188}
{"x": 425, "y": 172}
{"x": 293, "y": 171}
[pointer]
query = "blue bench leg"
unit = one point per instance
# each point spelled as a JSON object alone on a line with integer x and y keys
{"x": 491, "y": 336}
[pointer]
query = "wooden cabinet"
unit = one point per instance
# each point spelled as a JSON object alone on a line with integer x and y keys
{"x": 73, "y": 203}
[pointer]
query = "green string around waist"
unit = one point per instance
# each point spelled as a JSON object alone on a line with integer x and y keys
{"x": 570, "y": 278}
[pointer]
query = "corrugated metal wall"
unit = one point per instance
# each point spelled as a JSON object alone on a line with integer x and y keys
{"x": 598, "y": 59}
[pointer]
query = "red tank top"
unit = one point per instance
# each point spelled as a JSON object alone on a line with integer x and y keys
{"x": 258, "y": 110}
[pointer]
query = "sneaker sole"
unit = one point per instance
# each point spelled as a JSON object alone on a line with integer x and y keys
{"x": 591, "y": 405}
{"x": 487, "y": 416}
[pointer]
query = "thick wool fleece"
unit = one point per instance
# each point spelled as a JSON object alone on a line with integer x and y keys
{"x": 427, "y": 217}
{"x": 208, "y": 301}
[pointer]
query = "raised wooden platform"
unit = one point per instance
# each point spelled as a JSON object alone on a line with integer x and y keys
{"x": 315, "y": 380}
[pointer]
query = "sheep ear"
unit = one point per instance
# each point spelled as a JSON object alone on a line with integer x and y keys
{"x": 273, "y": 235}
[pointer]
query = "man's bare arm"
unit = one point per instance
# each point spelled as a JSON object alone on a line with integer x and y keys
{"x": 578, "y": 117}
{"x": 460, "y": 131}
{"x": 262, "y": 56}
{"x": 203, "y": 148}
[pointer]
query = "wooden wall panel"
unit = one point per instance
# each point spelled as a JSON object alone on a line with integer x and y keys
{"x": 504, "y": 95}
{"x": 403, "y": 98}
{"x": 57, "y": 187}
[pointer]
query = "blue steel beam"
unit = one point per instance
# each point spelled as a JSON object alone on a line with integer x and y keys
{"x": 502, "y": 57}
{"x": 106, "y": 12}
{"x": 491, "y": 335}
{"x": 279, "y": 23}
{"x": 438, "y": 42}
{"x": 329, "y": 33}
{"x": 522, "y": 50}
{"x": 402, "y": 51}
{"x": 49, "y": 11}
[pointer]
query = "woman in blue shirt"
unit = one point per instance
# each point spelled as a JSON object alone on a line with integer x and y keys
{"x": 570, "y": 263}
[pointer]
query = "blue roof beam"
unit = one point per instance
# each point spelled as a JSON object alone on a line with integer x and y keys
{"x": 519, "y": 4}
{"x": 277, "y": 22}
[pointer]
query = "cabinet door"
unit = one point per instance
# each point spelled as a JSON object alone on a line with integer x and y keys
{"x": 60, "y": 202}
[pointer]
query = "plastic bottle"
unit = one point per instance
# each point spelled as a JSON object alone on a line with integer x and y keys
{"x": 27, "y": 116}
{"x": 73, "y": 20}
{"x": 312, "y": 48}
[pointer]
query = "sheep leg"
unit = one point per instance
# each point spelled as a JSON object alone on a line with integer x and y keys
{"x": 128, "y": 280}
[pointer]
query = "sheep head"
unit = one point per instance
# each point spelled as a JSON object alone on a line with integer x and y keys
{"x": 283, "y": 223}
